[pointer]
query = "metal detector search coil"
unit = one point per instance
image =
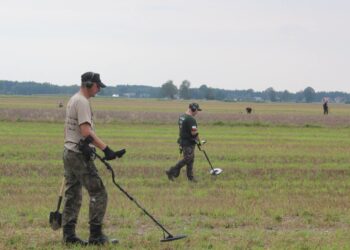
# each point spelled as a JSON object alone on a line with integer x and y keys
{"x": 213, "y": 171}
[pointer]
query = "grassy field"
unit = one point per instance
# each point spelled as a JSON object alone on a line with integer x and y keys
{"x": 285, "y": 184}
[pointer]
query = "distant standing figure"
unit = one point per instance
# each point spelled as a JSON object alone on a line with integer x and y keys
{"x": 325, "y": 108}
{"x": 188, "y": 138}
{"x": 249, "y": 110}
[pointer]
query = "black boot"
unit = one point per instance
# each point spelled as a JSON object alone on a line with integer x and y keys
{"x": 99, "y": 238}
{"x": 192, "y": 179}
{"x": 69, "y": 236}
{"x": 169, "y": 174}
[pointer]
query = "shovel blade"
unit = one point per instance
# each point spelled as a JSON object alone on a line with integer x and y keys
{"x": 55, "y": 220}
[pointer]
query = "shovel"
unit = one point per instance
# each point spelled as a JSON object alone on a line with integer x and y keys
{"x": 55, "y": 218}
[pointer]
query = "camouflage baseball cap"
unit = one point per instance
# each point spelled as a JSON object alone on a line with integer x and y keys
{"x": 194, "y": 106}
{"x": 92, "y": 77}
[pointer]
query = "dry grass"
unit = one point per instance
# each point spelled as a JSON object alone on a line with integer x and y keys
{"x": 283, "y": 187}
{"x": 109, "y": 110}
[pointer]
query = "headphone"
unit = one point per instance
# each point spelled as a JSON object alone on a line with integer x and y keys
{"x": 89, "y": 83}
{"x": 193, "y": 108}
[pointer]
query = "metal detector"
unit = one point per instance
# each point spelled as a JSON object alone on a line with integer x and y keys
{"x": 213, "y": 171}
{"x": 169, "y": 236}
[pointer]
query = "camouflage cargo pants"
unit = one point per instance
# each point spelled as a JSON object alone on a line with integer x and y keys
{"x": 78, "y": 173}
{"x": 188, "y": 160}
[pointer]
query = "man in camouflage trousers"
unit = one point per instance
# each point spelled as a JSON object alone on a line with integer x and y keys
{"x": 188, "y": 138}
{"x": 79, "y": 168}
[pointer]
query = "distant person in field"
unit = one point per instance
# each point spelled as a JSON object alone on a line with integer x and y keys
{"x": 325, "y": 107}
{"x": 188, "y": 138}
{"x": 79, "y": 168}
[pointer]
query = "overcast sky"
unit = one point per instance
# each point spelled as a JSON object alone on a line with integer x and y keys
{"x": 229, "y": 44}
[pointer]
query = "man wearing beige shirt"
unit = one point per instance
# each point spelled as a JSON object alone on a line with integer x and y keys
{"x": 79, "y": 168}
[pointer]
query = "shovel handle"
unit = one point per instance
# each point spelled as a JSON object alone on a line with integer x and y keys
{"x": 60, "y": 195}
{"x": 59, "y": 203}
{"x": 62, "y": 186}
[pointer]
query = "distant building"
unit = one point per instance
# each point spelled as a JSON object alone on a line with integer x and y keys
{"x": 145, "y": 95}
{"x": 129, "y": 95}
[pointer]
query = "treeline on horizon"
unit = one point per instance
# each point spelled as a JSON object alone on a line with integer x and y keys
{"x": 170, "y": 91}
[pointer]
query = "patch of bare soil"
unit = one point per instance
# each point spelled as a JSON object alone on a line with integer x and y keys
{"x": 171, "y": 117}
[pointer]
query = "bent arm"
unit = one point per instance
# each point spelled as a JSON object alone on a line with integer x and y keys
{"x": 85, "y": 130}
{"x": 194, "y": 133}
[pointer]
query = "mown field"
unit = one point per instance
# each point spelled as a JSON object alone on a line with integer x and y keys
{"x": 285, "y": 185}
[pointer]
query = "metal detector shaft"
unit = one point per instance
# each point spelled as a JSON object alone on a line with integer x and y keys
{"x": 130, "y": 197}
{"x": 206, "y": 156}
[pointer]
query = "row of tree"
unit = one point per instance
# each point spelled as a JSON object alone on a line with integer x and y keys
{"x": 171, "y": 91}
